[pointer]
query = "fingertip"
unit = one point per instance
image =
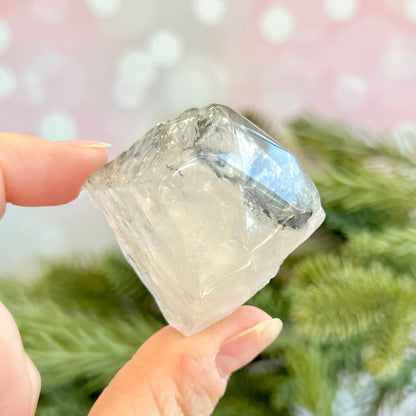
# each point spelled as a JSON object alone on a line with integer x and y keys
{"x": 251, "y": 313}
{"x": 236, "y": 339}
{"x": 85, "y": 144}
{"x": 246, "y": 345}
{"x": 244, "y": 317}
{"x": 95, "y": 152}
{"x": 206, "y": 342}
{"x": 37, "y": 171}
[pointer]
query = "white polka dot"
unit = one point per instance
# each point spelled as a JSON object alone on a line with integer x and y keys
{"x": 404, "y": 135}
{"x": 410, "y": 9}
{"x": 58, "y": 125}
{"x": 50, "y": 11}
{"x": 209, "y": 12}
{"x": 104, "y": 8}
{"x": 5, "y": 36}
{"x": 340, "y": 10}
{"x": 277, "y": 25}
{"x": 349, "y": 93}
{"x": 8, "y": 83}
{"x": 166, "y": 48}
{"x": 136, "y": 69}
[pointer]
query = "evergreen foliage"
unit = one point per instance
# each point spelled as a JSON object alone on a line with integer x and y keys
{"x": 346, "y": 297}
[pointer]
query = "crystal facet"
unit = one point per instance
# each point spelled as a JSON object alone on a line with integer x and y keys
{"x": 206, "y": 207}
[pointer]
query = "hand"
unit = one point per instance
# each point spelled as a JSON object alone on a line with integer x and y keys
{"x": 170, "y": 374}
{"x": 34, "y": 171}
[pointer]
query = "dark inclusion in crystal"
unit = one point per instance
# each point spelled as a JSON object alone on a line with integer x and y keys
{"x": 273, "y": 178}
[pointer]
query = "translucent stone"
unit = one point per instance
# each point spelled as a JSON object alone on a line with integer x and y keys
{"x": 205, "y": 208}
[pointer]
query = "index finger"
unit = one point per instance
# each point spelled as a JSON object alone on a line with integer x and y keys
{"x": 36, "y": 171}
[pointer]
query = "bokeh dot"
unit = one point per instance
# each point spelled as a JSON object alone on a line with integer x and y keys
{"x": 340, "y": 10}
{"x": 58, "y": 125}
{"x": 209, "y": 12}
{"x": 5, "y": 36}
{"x": 166, "y": 48}
{"x": 277, "y": 24}
{"x": 196, "y": 82}
{"x": 32, "y": 87}
{"x": 104, "y": 8}
{"x": 410, "y": 9}
{"x": 8, "y": 83}
{"x": 125, "y": 96}
{"x": 350, "y": 92}
{"x": 399, "y": 62}
{"x": 137, "y": 69}
{"x": 192, "y": 88}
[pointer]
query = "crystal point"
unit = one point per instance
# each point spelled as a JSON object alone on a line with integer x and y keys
{"x": 205, "y": 208}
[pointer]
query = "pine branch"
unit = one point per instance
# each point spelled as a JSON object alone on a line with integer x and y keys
{"x": 314, "y": 389}
{"x": 386, "y": 357}
{"x": 79, "y": 285}
{"x": 357, "y": 188}
{"x": 338, "y": 142}
{"x": 74, "y": 346}
{"x": 395, "y": 247}
{"x": 337, "y": 300}
{"x": 126, "y": 285}
{"x": 68, "y": 400}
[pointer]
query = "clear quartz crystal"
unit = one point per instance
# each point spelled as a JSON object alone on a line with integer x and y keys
{"x": 205, "y": 208}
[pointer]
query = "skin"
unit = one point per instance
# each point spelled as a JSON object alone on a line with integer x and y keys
{"x": 169, "y": 374}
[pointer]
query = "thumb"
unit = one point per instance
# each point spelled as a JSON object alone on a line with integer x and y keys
{"x": 176, "y": 375}
{"x": 19, "y": 378}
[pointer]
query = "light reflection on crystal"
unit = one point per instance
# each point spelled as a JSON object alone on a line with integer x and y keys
{"x": 206, "y": 207}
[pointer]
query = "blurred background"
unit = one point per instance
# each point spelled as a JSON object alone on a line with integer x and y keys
{"x": 108, "y": 70}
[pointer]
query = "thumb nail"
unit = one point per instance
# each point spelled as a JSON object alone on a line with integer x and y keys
{"x": 83, "y": 144}
{"x": 246, "y": 345}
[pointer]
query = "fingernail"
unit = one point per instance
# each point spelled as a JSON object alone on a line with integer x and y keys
{"x": 246, "y": 345}
{"x": 83, "y": 144}
{"x": 36, "y": 383}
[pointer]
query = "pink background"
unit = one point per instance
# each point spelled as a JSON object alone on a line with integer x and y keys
{"x": 109, "y": 69}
